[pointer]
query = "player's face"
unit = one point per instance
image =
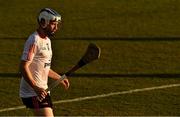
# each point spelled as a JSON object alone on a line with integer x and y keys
{"x": 52, "y": 27}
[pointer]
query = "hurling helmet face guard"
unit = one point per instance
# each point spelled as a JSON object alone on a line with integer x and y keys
{"x": 48, "y": 15}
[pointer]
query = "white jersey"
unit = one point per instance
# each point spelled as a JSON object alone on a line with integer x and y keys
{"x": 37, "y": 51}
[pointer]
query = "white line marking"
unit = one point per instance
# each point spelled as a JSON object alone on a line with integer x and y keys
{"x": 13, "y": 108}
{"x": 100, "y": 96}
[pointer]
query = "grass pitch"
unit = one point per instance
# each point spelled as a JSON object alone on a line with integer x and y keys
{"x": 163, "y": 102}
{"x": 95, "y": 18}
{"x": 124, "y": 64}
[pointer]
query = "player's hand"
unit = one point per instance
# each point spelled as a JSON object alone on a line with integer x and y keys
{"x": 40, "y": 92}
{"x": 65, "y": 83}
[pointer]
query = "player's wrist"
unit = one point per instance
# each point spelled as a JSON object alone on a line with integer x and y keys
{"x": 35, "y": 86}
{"x": 59, "y": 77}
{"x": 63, "y": 77}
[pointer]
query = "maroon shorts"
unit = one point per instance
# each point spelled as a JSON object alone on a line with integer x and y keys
{"x": 34, "y": 103}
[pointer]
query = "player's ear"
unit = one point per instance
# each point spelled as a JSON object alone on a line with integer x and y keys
{"x": 42, "y": 23}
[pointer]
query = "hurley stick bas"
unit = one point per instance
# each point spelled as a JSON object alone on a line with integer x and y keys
{"x": 92, "y": 53}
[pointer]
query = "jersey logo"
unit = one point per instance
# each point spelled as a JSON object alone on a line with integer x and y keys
{"x": 47, "y": 65}
{"x": 47, "y": 46}
{"x": 43, "y": 48}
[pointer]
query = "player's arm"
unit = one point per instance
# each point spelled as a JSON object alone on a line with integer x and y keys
{"x": 92, "y": 53}
{"x": 65, "y": 82}
{"x": 25, "y": 72}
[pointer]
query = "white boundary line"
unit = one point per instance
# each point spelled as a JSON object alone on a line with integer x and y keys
{"x": 100, "y": 96}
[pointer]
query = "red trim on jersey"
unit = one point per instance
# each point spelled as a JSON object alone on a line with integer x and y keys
{"x": 35, "y": 103}
{"x": 31, "y": 52}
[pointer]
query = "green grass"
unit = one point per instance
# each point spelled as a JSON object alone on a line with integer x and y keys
{"x": 163, "y": 102}
{"x": 95, "y": 18}
{"x": 117, "y": 57}
{"x": 99, "y": 19}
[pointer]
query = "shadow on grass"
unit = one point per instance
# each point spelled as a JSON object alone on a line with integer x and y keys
{"x": 101, "y": 75}
{"x": 173, "y": 38}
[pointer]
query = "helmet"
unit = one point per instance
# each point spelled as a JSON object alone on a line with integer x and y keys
{"x": 47, "y": 15}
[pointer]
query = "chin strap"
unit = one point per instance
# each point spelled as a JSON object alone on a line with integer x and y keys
{"x": 49, "y": 34}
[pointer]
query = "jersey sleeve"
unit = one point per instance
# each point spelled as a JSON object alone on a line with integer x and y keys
{"x": 30, "y": 48}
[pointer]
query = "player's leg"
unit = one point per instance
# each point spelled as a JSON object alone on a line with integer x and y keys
{"x": 43, "y": 108}
{"x": 46, "y": 112}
